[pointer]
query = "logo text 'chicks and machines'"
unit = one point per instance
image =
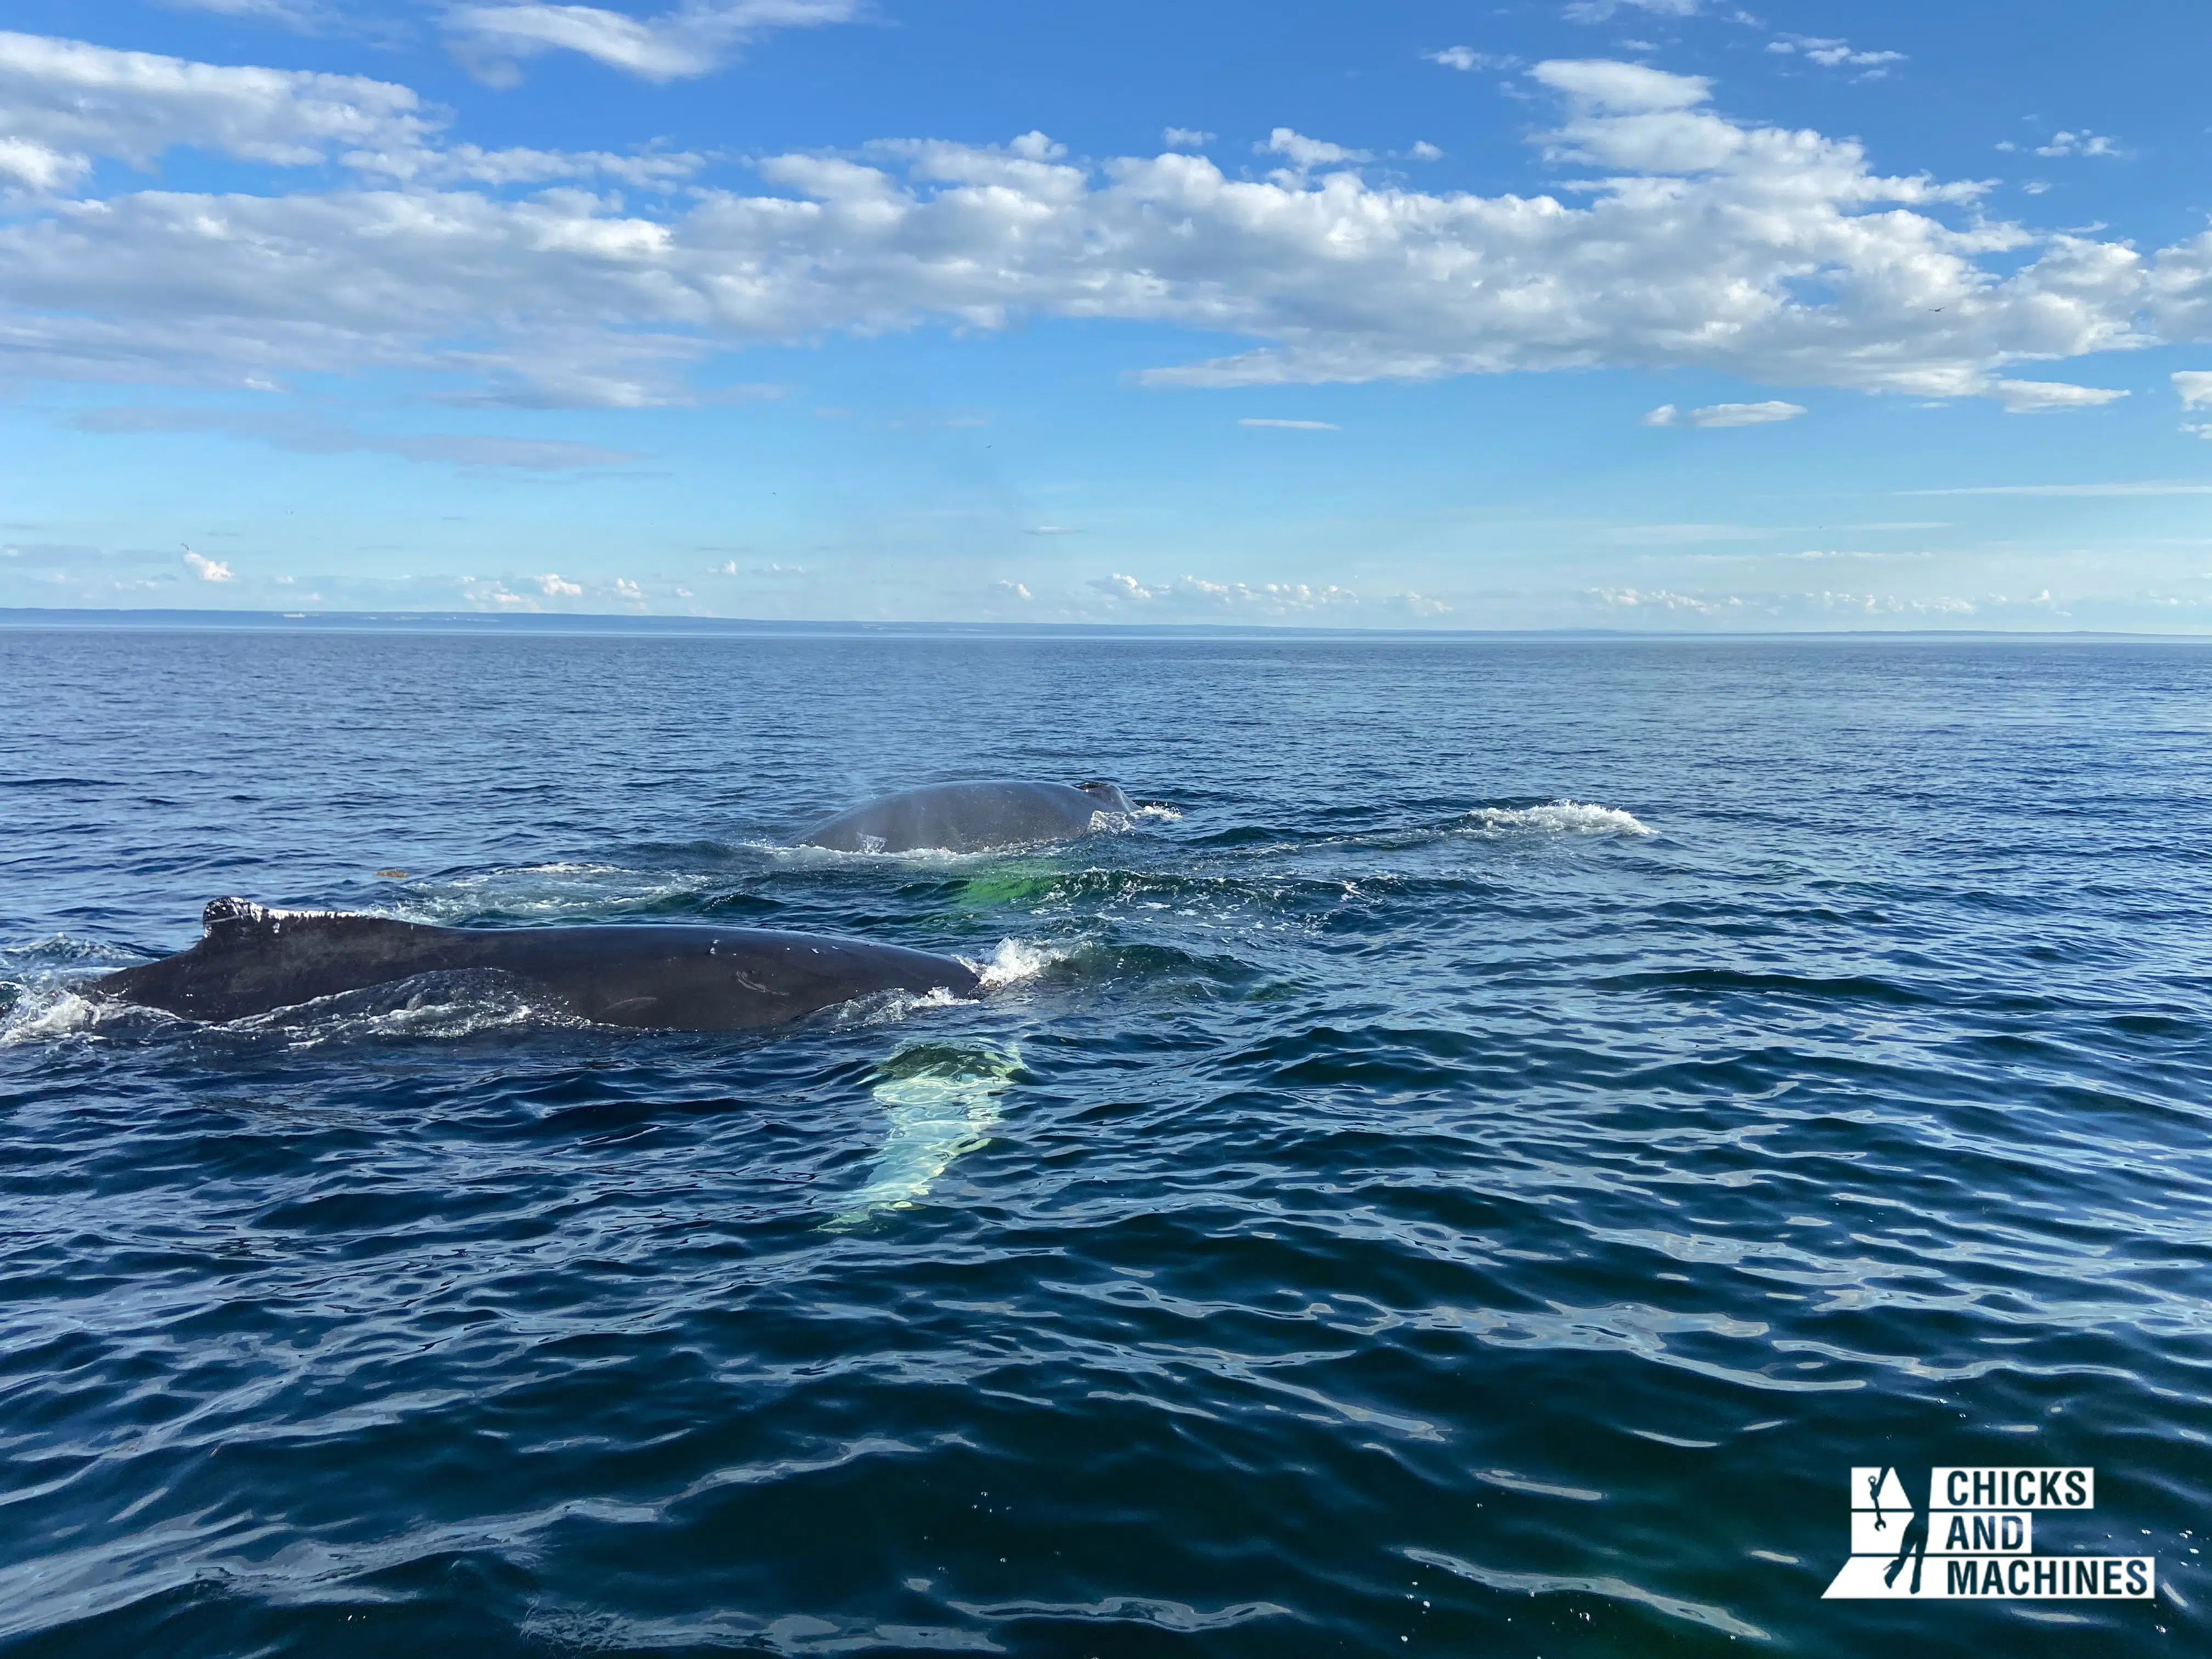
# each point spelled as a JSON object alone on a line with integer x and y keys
{"x": 1976, "y": 1537}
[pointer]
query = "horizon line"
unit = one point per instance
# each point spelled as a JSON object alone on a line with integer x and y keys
{"x": 616, "y": 621}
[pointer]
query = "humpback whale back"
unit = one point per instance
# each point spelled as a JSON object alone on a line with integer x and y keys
{"x": 969, "y": 818}
{"x": 252, "y": 960}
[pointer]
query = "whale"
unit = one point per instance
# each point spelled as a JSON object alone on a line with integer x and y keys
{"x": 252, "y": 959}
{"x": 970, "y": 817}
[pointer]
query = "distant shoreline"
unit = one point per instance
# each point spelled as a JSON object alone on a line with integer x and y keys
{"x": 473, "y": 621}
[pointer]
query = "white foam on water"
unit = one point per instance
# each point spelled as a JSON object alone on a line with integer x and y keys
{"x": 544, "y": 891}
{"x": 932, "y": 1116}
{"x": 1014, "y": 961}
{"x": 45, "y": 1012}
{"x": 1561, "y": 817}
{"x": 806, "y": 856}
{"x": 468, "y": 1005}
{"x": 1154, "y": 810}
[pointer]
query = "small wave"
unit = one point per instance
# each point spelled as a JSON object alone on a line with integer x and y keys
{"x": 1561, "y": 817}
{"x": 1159, "y": 811}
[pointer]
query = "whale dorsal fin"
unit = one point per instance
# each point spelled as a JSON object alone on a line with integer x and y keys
{"x": 237, "y": 923}
{"x": 235, "y": 916}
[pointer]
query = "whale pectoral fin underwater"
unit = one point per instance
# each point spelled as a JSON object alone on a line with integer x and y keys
{"x": 252, "y": 960}
{"x": 940, "y": 1103}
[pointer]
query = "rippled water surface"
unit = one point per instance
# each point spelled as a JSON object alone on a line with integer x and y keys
{"x": 1471, "y": 1170}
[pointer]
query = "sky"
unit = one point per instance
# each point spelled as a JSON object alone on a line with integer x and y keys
{"x": 1642, "y": 314}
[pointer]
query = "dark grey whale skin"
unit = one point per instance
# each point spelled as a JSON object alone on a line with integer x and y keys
{"x": 252, "y": 960}
{"x": 969, "y": 818}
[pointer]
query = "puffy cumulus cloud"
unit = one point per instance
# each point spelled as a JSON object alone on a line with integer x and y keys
{"x": 206, "y": 569}
{"x": 1190, "y": 594}
{"x": 1661, "y": 599}
{"x": 1272, "y": 599}
{"x": 553, "y": 587}
{"x": 695, "y": 38}
{"x": 1601, "y": 86}
{"x": 1306, "y": 154}
{"x": 1685, "y": 238}
{"x": 1015, "y": 590}
{"x": 1119, "y": 586}
{"x": 1725, "y": 415}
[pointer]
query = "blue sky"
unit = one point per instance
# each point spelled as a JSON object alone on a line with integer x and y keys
{"x": 1654, "y": 313}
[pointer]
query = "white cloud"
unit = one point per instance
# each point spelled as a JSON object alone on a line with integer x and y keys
{"x": 1630, "y": 598}
{"x": 467, "y": 164}
{"x": 1466, "y": 57}
{"x": 1186, "y": 138}
{"x": 2040, "y": 397}
{"x": 553, "y": 587}
{"x": 39, "y": 167}
{"x": 1195, "y": 595}
{"x": 302, "y": 16}
{"x": 1419, "y": 604}
{"x": 627, "y": 589}
{"x": 2079, "y": 143}
{"x": 1270, "y": 598}
{"x": 62, "y": 102}
{"x": 1691, "y": 240}
{"x": 1603, "y": 11}
{"x": 1050, "y": 530}
{"x": 1836, "y": 54}
{"x": 1602, "y": 85}
{"x": 1422, "y": 150}
{"x": 208, "y": 570}
{"x": 311, "y": 435}
{"x": 1015, "y": 588}
{"x": 1294, "y": 426}
{"x": 1306, "y": 154}
{"x": 2195, "y": 387}
{"x": 1725, "y": 415}
{"x": 697, "y": 37}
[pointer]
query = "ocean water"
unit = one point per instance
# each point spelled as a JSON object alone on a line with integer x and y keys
{"x": 1471, "y": 1169}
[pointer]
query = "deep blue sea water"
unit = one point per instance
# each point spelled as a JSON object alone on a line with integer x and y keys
{"x": 1472, "y": 1171}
